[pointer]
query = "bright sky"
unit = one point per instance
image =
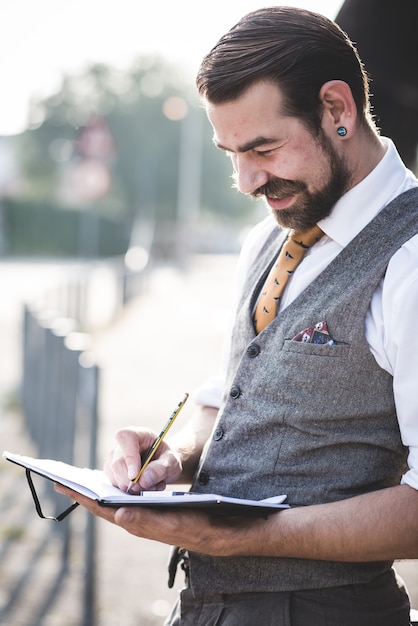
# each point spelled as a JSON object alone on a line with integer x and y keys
{"x": 41, "y": 39}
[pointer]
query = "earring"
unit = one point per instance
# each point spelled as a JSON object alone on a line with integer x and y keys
{"x": 342, "y": 131}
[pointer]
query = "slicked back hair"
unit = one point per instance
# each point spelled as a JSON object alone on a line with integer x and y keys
{"x": 296, "y": 49}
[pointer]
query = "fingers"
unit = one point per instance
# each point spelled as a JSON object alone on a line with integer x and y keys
{"x": 164, "y": 468}
{"x": 106, "y": 513}
{"x": 173, "y": 528}
{"x": 133, "y": 443}
{"x": 193, "y": 530}
{"x": 124, "y": 461}
{"x": 138, "y": 521}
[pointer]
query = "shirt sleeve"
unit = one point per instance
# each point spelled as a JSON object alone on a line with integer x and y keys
{"x": 400, "y": 306}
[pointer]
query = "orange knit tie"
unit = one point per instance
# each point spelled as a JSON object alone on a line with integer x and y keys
{"x": 291, "y": 254}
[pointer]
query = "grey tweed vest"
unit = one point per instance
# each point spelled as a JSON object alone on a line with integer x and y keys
{"x": 317, "y": 422}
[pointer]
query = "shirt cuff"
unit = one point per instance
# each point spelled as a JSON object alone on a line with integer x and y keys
{"x": 411, "y": 479}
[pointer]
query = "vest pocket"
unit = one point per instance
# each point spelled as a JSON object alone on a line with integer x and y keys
{"x": 313, "y": 349}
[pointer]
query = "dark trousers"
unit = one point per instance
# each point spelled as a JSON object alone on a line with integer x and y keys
{"x": 382, "y": 602}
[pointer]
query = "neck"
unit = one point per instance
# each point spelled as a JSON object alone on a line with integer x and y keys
{"x": 367, "y": 152}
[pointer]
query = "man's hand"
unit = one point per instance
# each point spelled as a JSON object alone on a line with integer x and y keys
{"x": 193, "y": 530}
{"x": 123, "y": 463}
{"x": 174, "y": 461}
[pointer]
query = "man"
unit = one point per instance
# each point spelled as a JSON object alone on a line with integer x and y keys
{"x": 319, "y": 401}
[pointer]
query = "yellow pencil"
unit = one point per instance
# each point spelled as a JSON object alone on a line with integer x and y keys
{"x": 151, "y": 452}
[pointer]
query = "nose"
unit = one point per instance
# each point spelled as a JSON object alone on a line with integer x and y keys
{"x": 249, "y": 176}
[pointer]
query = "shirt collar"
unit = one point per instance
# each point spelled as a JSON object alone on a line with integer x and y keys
{"x": 356, "y": 208}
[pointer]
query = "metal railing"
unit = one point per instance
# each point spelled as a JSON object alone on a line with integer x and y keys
{"x": 59, "y": 395}
{"x": 59, "y": 392}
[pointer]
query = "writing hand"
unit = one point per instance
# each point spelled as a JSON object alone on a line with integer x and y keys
{"x": 123, "y": 462}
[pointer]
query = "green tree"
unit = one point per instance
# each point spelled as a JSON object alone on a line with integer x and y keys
{"x": 147, "y": 136}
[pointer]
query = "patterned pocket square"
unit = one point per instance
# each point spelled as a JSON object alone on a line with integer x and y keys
{"x": 317, "y": 334}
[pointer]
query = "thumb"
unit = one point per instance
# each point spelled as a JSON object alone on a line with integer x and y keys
{"x": 124, "y": 516}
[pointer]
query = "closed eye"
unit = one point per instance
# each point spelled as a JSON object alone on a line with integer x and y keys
{"x": 265, "y": 153}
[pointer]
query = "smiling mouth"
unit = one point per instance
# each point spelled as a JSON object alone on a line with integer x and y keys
{"x": 282, "y": 202}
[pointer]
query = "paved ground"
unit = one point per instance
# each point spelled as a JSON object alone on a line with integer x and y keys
{"x": 161, "y": 345}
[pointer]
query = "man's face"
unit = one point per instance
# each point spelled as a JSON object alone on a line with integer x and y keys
{"x": 300, "y": 175}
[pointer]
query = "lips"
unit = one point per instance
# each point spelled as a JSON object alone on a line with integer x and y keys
{"x": 280, "y": 203}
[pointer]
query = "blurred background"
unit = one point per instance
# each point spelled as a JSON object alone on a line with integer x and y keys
{"x": 119, "y": 235}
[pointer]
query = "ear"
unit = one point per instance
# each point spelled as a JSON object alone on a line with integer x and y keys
{"x": 339, "y": 108}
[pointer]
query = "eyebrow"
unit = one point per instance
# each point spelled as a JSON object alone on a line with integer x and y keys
{"x": 250, "y": 145}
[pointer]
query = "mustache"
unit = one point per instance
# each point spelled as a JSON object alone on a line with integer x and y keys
{"x": 278, "y": 188}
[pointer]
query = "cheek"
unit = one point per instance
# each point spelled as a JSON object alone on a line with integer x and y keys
{"x": 316, "y": 169}
{"x": 297, "y": 162}
{"x": 308, "y": 154}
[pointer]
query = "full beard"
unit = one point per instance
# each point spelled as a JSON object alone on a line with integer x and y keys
{"x": 310, "y": 207}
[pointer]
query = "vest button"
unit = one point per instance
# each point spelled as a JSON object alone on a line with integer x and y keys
{"x": 203, "y": 478}
{"x": 218, "y": 434}
{"x": 235, "y": 392}
{"x": 253, "y": 350}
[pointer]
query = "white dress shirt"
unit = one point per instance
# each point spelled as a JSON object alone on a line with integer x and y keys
{"x": 390, "y": 322}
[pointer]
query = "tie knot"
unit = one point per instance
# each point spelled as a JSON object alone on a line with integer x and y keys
{"x": 306, "y": 238}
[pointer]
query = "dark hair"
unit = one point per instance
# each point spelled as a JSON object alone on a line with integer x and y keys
{"x": 297, "y": 49}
